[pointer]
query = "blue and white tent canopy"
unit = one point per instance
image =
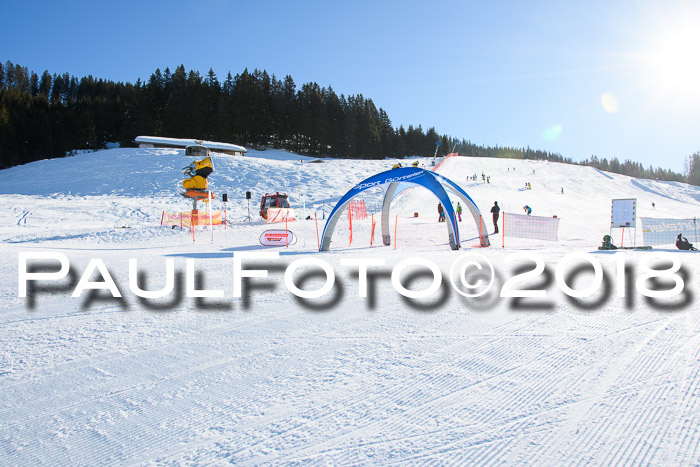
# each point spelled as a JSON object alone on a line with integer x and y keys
{"x": 389, "y": 181}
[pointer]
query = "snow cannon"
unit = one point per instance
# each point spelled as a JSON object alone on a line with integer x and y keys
{"x": 196, "y": 185}
{"x": 198, "y": 171}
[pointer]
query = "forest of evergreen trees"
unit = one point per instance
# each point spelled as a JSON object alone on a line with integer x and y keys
{"x": 53, "y": 114}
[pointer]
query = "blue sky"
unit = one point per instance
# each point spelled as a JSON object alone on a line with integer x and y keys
{"x": 605, "y": 78}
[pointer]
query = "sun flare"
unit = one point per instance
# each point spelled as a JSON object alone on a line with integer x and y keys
{"x": 671, "y": 61}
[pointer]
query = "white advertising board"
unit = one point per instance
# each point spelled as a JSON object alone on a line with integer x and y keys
{"x": 624, "y": 213}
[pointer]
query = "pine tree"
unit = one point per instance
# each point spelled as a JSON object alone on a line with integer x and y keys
{"x": 45, "y": 84}
{"x": 49, "y": 115}
{"x": 211, "y": 81}
{"x": 289, "y": 121}
{"x": 34, "y": 84}
{"x": 176, "y": 113}
{"x": 334, "y": 123}
{"x": 694, "y": 169}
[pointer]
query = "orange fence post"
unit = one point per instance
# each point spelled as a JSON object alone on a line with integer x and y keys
{"x": 481, "y": 229}
{"x": 396, "y": 224}
{"x": 622, "y": 240}
{"x": 371, "y": 237}
{"x": 503, "y": 228}
{"x": 210, "y": 208}
{"x": 481, "y": 222}
{"x": 318, "y": 242}
{"x": 350, "y": 222}
{"x": 192, "y": 217}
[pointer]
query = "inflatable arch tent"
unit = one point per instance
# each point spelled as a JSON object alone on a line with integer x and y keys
{"x": 389, "y": 182}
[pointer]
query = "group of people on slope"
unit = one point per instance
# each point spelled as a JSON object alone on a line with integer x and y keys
{"x": 682, "y": 243}
{"x": 495, "y": 213}
{"x": 485, "y": 178}
{"x": 441, "y": 212}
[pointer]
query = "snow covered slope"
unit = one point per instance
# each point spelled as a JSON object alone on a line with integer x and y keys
{"x": 343, "y": 379}
{"x": 131, "y": 187}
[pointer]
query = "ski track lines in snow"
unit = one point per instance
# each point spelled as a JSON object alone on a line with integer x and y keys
{"x": 492, "y": 427}
{"x": 145, "y": 383}
{"x": 279, "y": 383}
{"x": 198, "y": 357}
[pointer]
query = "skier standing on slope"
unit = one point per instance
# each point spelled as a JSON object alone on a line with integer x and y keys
{"x": 495, "y": 210}
{"x": 441, "y": 213}
{"x": 459, "y": 211}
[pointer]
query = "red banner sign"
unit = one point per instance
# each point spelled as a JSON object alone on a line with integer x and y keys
{"x": 278, "y": 238}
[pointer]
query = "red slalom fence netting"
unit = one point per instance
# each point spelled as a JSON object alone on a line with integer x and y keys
{"x": 184, "y": 219}
{"x": 355, "y": 232}
{"x": 358, "y": 210}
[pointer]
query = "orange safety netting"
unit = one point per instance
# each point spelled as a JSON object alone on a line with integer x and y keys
{"x": 275, "y": 215}
{"x": 183, "y": 219}
{"x": 357, "y": 210}
{"x": 452, "y": 154}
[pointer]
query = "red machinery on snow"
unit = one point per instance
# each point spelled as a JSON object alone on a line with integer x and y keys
{"x": 277, "y": 200}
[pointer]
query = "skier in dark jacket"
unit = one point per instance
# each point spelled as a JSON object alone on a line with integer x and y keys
{"x": 682, "y": 243}
{"x": 441, "y": 213}
{"x": 495, "y": 210}
{"x": 607, "y": 244}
